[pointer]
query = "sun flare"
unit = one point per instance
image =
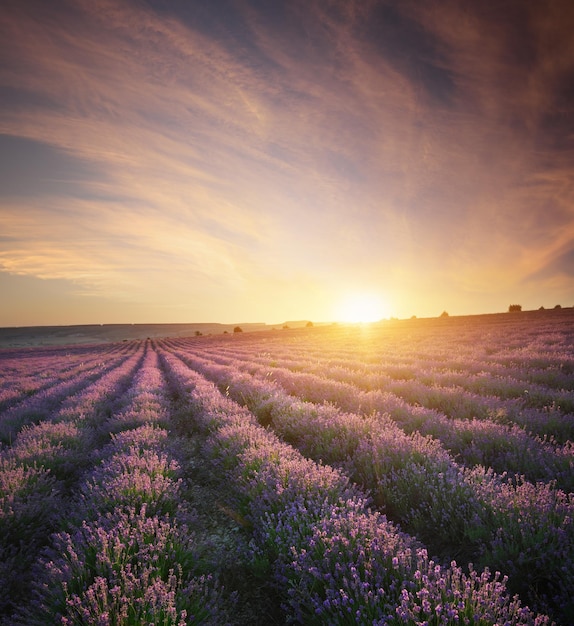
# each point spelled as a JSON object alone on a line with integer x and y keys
{"x": 361, "y": 308}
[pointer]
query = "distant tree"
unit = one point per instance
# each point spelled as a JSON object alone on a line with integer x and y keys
{"x": 558, "y": 306}
{"x": 225, "y": 332}
{"x": 541, "y": 308}
{"x": 198, "y": 333}
{"x": 444, "y": 314}
{"x": 514, "y": 308}
{"x": 309, "y": 324}
{"x": 237, "y": 329}
{"x": 285, "y": 327}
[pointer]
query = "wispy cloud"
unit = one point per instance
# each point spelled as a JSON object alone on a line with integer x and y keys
{"x": 305, "y": 142}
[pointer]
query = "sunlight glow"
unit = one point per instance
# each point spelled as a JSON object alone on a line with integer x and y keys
{"x": 361, "y": 308}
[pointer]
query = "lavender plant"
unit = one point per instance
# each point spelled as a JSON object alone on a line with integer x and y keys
{"x": 414, "y": 480}
{"x": 30, "y": 504}
{"x": 463, "y": 435}
{"x": 125, "y": 569}
{"x": 288, "y": 516}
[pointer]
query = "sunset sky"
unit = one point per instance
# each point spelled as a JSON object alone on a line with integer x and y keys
{"x": 264, "y": 160}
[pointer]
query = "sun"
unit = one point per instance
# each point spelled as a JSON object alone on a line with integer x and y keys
{"x": 361, "y": 308}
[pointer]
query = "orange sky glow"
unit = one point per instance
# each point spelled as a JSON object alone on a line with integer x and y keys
{"x": 243, "y": 160}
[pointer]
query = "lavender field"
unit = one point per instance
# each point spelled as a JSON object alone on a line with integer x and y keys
{"x": 406, "y": 472}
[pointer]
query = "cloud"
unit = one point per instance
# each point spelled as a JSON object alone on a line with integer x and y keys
{"x": 173, "y": 143}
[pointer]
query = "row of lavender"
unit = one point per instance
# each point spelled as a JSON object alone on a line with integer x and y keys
{"x": 51, "y": 442}
{"x": 460, "y": 388}
{"x": 339, "y": 562}
{"x": 531, "y": 384}
{"x": 112, "y": 493}
{"x": 521, "y": 527}
{"x": 92, "y": 519}
{"x": 503, "y": 397}
{"x": 59, "y": 379}
{"x": 502, "y": 447}
{"x": 26, "y": 372}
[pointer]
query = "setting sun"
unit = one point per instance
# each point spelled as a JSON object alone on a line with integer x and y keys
{"x": 361, "y": 307}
